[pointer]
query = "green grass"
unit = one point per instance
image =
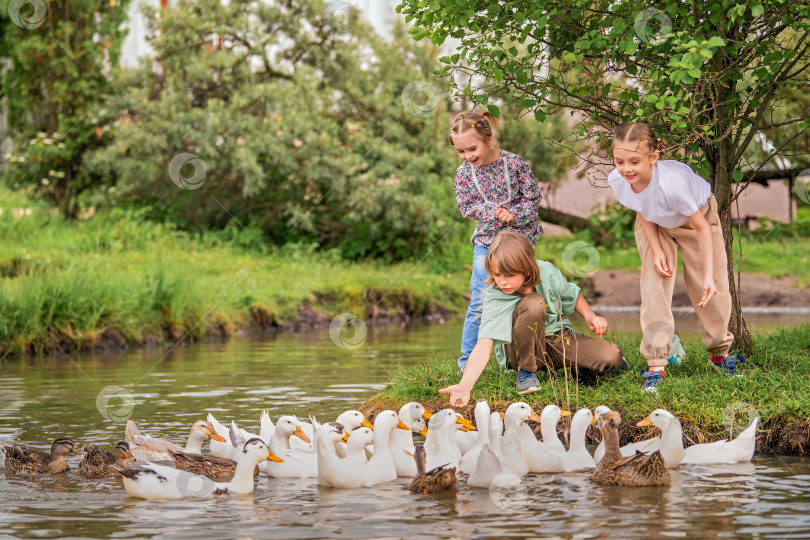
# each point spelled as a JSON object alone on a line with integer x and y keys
{"x": 74, "y": 281}
{"x": 775, "y": 387}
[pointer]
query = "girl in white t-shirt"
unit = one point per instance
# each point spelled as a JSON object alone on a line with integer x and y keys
{"x": 675, "y": 210}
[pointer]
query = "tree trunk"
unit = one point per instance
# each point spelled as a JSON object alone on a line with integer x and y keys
{"x": 723, "y": 193}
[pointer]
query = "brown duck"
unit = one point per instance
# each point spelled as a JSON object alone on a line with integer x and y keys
{"x": 99, "y": 463}
{"x": 20, "y": 459}
{"x": 216, "y": 468}
{"x": 638, "y": 470}
{"x": 435, "y": 480}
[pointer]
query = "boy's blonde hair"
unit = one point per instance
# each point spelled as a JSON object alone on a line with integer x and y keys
{"x": 510, "y": 253}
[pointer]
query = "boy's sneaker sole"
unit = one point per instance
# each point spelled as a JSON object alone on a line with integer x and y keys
{"x": 530, "y": 390}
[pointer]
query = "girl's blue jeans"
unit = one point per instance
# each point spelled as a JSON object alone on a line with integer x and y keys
{"x": 469, "y": 336}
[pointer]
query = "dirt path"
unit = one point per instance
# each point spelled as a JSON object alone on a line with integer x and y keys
{"x": 621, "y": 288}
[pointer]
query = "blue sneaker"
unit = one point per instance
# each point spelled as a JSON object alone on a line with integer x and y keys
{"x": 654, "y": 379}
{"x": 527, "y": 382}
{"x": 728, "y": 365}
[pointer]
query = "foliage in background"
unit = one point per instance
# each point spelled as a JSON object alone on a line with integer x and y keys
{"x": 301, "y": 122}
{"x": 62, "y": 55}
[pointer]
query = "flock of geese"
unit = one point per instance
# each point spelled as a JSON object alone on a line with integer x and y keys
{"x": 495, "y": 452}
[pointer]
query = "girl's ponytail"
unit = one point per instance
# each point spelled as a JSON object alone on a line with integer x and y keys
{"x": 481, "y": 121}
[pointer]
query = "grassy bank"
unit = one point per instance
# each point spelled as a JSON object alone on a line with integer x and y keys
{"x": 119, "y": 278}
{"x": 776, "y": 388}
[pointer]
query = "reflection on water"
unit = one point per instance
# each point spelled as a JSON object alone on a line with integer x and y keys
{"x": 90, "y": 398}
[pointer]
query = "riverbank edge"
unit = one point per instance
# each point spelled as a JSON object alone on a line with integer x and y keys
{"x": 309, "y": 315}
{"x": 708, "y": 404}
{"x": 781, "y": 436}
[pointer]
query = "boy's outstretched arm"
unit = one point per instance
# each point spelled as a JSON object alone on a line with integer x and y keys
{"x": 596, "y": 324}
{"x": 477, "y": 361}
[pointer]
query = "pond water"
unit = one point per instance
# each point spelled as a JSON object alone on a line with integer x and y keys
{"x": 165, "y": 390}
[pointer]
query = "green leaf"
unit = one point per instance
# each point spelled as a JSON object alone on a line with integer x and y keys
{"x": 540, "y": 116}
{"x": 737, "y": 176}
{"x": 757, "y": 10}
{"x": 494, "y": 111}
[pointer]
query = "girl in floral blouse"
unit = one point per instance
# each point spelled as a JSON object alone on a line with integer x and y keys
{"x": 498, "y": 190}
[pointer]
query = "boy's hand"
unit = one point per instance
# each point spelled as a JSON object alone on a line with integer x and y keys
{"x": 459, "y": 397}
{"x": 709, "y": 290}
{"x": 661, "y": 264}
{"x": 504, "y": 215}
{"x": 597, "y": 325}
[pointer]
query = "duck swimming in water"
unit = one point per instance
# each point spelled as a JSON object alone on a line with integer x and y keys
{"x": 617, "y": 470}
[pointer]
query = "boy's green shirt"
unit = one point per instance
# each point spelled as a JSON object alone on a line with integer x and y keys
{"x": 496, "y": 316}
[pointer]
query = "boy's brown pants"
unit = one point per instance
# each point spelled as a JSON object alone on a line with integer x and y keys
{"x": 657, "y": 322}
{"x": 531, "y": 349}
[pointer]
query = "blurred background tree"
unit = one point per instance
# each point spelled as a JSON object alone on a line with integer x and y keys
{"x": 61, "y": 58}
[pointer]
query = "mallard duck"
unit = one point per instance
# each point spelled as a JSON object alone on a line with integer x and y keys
{"x": 578, "y": 457}
{"x": 20, "y": 459}
{"x": 437, "y": 480}
{"x": 155, "y": 482}
{"x": 617, "y": 470}
{"x": 98, "y": 463}
{"x": 144, "y": 447}
{"x": 629, "y": 449}
{"x": 216, "y": 468}
{"x": 332, "y": 470}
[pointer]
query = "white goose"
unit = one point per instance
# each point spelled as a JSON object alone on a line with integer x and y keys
{"x": 221, "y": 447}
{"x": 519, "y": 440}
{"x": 350, "y": 420}
{"x": 359, "y": 441}
{"x": 401, "y": 442}
{"x": 297, "y": 463}
{"x": 578, "y": 457}
{"x": 332, "y": 470}
{"x": 440, "y": 443}
{"x": 490, "y": 471}
{"x": 156, "y": 482}
{"x": 143, "y": 447}
{"x": 469, "y": 458}
{"x": 549, "y": 419}
{"x": 737, "y": 450}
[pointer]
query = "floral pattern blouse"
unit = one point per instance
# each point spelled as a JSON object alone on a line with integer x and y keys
{"x": 522, "y": 202}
